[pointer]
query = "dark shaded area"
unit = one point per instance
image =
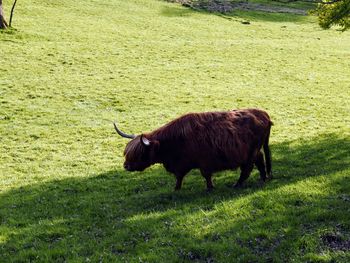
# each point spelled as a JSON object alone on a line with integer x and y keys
{"x": 265, "y": 16}
{"x": 109, "y": 212}
{"x": 336, "y": 241}
{"x": 176, "y": 11}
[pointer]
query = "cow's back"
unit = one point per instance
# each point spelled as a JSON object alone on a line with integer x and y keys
{"x": 212, "y": 141}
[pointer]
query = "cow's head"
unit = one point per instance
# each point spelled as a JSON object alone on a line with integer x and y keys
{"x": 140, "y": 152}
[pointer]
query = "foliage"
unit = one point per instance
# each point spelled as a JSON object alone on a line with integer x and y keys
{"x": 334, "y": 13}
{"x": 64, "y": 195}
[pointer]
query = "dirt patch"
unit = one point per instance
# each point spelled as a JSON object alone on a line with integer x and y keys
{"x": 335, "y": 241}
{"x": 223, "y": 6}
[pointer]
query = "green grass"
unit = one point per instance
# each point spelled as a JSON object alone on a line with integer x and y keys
{"x": 290, "y": 4}
{"x": 72, "y": 67}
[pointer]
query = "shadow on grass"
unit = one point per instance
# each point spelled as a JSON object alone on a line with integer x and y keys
{"x": 267, "y": 17}
{"x": 130, "y": 216}
{"x": 176, "y": 11}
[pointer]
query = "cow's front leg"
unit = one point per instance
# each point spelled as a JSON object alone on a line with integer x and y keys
{"x": 245, "y": 172}
{"x": 207, "y": 177}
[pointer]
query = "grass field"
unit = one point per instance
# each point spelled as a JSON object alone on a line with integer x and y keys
{"x": 72, "y": 67}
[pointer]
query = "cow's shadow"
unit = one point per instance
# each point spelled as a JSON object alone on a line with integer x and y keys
{"x": 90, "y": 213}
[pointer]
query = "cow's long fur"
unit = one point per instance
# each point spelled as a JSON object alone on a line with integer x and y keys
{"x": 210, "y": 141}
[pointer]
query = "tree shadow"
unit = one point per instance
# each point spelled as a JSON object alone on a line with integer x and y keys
{"x": 267, "y": 16}
{"x": 128, "y": 215}
{"x": 176, "y": 11}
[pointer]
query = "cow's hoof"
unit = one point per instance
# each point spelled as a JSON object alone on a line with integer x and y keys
{"x": 209, "y": 190}
{"x": 237, "y": 186}
{"x": 262, "y": 182}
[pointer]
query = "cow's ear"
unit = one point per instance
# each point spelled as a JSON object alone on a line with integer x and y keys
{"x": 145, "y": 141}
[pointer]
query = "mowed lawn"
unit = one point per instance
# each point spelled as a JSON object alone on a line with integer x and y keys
{"x": 72, "y": 67}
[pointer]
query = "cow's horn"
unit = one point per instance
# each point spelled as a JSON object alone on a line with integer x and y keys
{"x": 129, "y": 136}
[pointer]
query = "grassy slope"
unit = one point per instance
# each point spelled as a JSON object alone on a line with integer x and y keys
{"x": 73, "y": 66}
{"x": 297, "y": 4}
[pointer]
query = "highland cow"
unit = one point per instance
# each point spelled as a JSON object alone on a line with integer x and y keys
{"x": 209, "y": 141}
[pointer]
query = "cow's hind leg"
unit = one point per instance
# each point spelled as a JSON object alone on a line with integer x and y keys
{"x": 207, "y": 177}
{"x": 260, "y": 164}
{"x": 267, "y": 153}
{"x": 246, "y": 169}
{"x": 179, "y": 178}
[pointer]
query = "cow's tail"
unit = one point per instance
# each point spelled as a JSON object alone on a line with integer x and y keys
{"x": 267, "y": 153}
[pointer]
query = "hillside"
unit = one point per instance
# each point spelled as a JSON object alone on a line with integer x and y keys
{"x": 70, "y": 68}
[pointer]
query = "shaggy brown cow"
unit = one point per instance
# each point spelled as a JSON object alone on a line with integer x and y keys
{"x": 209, "y": 141}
